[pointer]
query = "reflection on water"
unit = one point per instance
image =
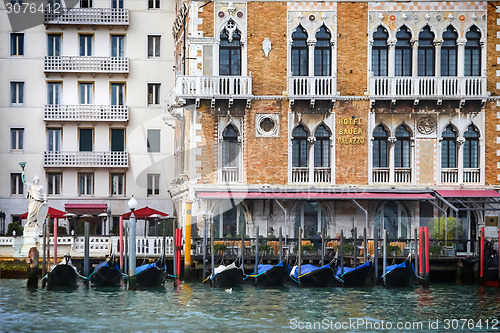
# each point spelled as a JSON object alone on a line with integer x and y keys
{"x": 194, "y": 307}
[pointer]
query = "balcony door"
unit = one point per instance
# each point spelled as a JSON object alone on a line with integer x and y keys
{"x": 86, "y": 45}
{"x": 54, "y": 93}
{"x": 86, "y": 139}
{"x": 54, "y": 139}
{"x": 54, "y": 45}
{"x": 118, "y": 46}
{"x": 117, "y": 139}
{"x": 117, "y": 93}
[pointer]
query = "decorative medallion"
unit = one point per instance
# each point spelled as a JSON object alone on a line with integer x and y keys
{"x": 415, "y": 18}
{"x": 404, "y": 17}
{"x": 267, "y": 125}
{"x": 483, "y": 17}
{"x": 439, "y": 17}
{"x": 426, "y": 125}
{"x": 221, "y": 14}
{"x": 392, "y": 18}
{"x": 239, "y": 14}
{"x": 312, "y": 18}
{"x": 370, "y": 18}
{"x": 461, "y": 18}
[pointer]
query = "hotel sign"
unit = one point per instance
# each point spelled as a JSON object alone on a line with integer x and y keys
{"x": 350, "y": 131}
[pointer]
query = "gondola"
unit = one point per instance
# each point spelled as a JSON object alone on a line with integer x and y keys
{"x": 151, "y": 275}
{"x": 314, "y": 276}
{"x": 491, "y": 266}
{"x": 355, "y": 277}
{"x": 227, "y": 276}
{"x": 107, "y": 274}
{"x": 400, "y": 275}
{"x": 271, "y": 275}
{"x": 63, "y": 274}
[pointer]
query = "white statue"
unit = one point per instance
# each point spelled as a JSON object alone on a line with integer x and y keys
{"x": 36, "y": 199}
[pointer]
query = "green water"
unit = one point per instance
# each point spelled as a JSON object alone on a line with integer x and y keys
{"x": 196, "y": 307}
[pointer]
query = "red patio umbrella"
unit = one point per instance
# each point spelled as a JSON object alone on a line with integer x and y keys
{"x": 54, "y": 213}
{"x": 143, "y": 213}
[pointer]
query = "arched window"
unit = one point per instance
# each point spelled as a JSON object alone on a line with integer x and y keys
{"x": 299, "y": 52}
{"x": 380, "y": 52}
{"x": 312, "y": 218}
{"x": 380, "y": 152}
{"x": 230, "y": 51}
{"x": 403, "y": 52}
{"x": 230, "y": 147}
{"x": 393, "y": 217}
{"x": 322, "y": 53}
{"x": 471, "y": 147}
{"x": 299, "y": 147}
{"x": 449, "y": 52}
{"x": 426, "y": 52}
{"x": 449, "y": 148}
{"x": 322, "y": 147}
{"x": 402, "y": 147}
{"x": 472, "y": 60}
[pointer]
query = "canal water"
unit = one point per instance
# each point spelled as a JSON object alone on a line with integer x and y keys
{"x": 196, "y": 307}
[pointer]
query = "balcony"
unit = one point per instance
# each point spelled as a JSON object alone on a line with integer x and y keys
{"x": 89, "y": 16}
{"x": 300, "y": 175}
{"x": 91, "y": 159}
{"x": 83, "y": 64}
{"x": 213, "y": 87}
{"x": 428, "y": 88}
{"x": 472, "y": 175}
{"x": 320, "y": 175}
{"x": 230, "y": 175}
{"x": 380, "y": 175}
{"x": 449, "y": 175}
{"x": 402, "y": 175}
{"x": 312, "y": 87}
{"x": 85, "y": 112}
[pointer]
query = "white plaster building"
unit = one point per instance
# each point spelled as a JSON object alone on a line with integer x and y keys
{"x": 82, "y": 104}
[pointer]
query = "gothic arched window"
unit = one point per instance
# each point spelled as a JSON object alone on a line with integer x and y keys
{"x": 471, "y": 147}
{"x": 403, "y": 52}
{"x": 380, "y": 151}
{"x": 299, "y": 147}
{"x": 300, "y": 53}
{"x": 322, "y": 147}
{"x": 449, "y": 52}
{"x": 380, "y": 52}
{"x": 472, "y": 56}
{"x": 230, "y": 51}
{"x": 426, "y": 52}
{"x": 230, "y": 147}
{"x": 402, "y": 148}
{"x": 449, "y": 148}
{"x": 322, "y": 53}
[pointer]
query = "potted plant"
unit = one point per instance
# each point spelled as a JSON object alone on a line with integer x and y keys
{"x": 219, "y": 248}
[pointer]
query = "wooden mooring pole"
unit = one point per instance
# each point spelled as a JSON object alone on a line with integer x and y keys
{"x": 299, "y": 255}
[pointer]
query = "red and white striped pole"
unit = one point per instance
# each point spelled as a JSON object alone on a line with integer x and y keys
{"x": 55, "y": 241}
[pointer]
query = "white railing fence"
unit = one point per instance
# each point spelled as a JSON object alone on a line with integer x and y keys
{"x": 213, "y": 86}
{"x": 105, "y": 16}
{"x": 86, "y": 64}
{"x": 85, "y": 159}
{"x": 86, "y": 112}
{"x": 314, "y": 86}
{"x": 300, "y": 175}
{"x": 230, "y": 175}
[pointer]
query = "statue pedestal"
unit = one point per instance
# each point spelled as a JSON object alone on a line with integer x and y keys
{"x": 30, "y": 239}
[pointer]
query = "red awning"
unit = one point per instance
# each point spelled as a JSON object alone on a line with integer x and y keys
{"x": 468, "y": 193}
{"x": 143, "y": 213}
{"x": 316, "y": 195}
{"x": 53, "y": 213}
{"x": 86, "y": 208}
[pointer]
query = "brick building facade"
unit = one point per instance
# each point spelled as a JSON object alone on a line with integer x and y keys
{"x": 335, "y": 115}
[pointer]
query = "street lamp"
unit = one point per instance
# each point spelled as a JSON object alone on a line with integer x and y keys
{"x": 132, "y": 204}
{"x": 104, "y": 217}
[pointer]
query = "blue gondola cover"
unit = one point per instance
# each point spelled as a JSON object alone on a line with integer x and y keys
{"x": 350, "y": 269}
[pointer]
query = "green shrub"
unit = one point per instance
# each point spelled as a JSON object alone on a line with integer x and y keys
{"x": 15, "y": 226}
{"x": 219, "y": 247}
{"x": 435, "y": 250}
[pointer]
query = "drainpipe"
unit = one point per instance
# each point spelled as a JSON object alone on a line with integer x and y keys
{"x": 286, "y": 221}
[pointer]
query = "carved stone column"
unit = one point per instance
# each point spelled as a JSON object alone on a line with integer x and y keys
{"x": 460, "y": 56}
{"x": 460, "y": 159}
{"x": 392, "y": 142}
{"x": 310, "y": 146}
{"x": 438, "y": 42}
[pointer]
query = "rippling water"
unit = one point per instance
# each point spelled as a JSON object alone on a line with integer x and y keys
{"x": 195, "y": 307}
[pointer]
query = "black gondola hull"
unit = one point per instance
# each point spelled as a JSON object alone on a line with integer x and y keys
{"x": 274, "y": 277}
{"x": 357, "y": 278}
{"x": 400, "y": 277}
{"x": 106, "y": 277}
{"x": 151, "y": 277}
{"x": 322, "y": 277}
{"x": 229, "y": 278}
{"x": 62, "y": 276}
